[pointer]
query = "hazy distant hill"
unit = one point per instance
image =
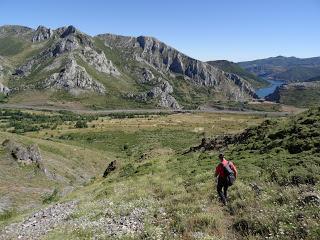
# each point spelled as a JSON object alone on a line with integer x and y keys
{"x": 290, "y": 69}
{"x": 65, "y": 65}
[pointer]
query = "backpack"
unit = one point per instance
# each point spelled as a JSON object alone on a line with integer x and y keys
{"x": 230, "y": 177}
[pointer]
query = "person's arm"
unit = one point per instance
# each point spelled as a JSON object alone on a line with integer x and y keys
{"x": 234, "y": 169}
{"x": 216, "y": 172}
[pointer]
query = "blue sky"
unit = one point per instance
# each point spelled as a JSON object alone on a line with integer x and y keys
{"x": 236, "y": 30}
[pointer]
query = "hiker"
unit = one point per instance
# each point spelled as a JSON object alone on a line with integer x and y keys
{"x": 226, "y": 173}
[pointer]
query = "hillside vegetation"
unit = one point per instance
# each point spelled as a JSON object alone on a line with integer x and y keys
{"x": 303, "y": 94}
{"x": 232, "y": 67}
{"x": 290, "y": 69}
{"x": 157, "y": 191}
{"x": 67, "y": 66}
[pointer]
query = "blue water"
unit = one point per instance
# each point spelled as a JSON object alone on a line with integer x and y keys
{"x": 262, "y": 92}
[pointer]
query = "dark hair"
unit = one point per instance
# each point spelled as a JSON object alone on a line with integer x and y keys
{"x": 221, "y": 155}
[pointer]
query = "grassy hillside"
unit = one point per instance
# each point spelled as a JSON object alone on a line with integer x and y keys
{"x": 290, "y": 69}
{"x": 305, "y": 94}
{"x": 281, "y": 161}
{"x": 299, "y": 74}
{"x": 171, "y": 195}
{"x": 232, "y": 67}
{"x": 174, "y": 191}
{"x": 11, "y": 46}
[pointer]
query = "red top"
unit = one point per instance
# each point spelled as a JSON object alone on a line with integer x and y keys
{"x": 219, "y": 168}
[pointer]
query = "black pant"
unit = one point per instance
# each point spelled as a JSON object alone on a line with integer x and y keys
{"x": 222, "y": 183}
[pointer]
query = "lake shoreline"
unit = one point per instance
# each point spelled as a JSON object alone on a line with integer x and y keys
{"x": 263, "y": 92}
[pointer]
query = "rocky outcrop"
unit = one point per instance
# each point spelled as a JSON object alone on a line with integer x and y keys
{"x": 111, "y": 167}
{"x": 282, "y": 90}
{"x": 4, "y": 90}
{"x": 42, "y": 33}
{"x": 99, "y": 61}
{"x": 161, "y": 92}
{"x": 147, "y": 76}
{"x": 26, "y": 155}
{"x": 275, "y": 96}
{"x": 1, "y": 71}
{"x": 217, "y": 143}
{"x": 72, "y": 78}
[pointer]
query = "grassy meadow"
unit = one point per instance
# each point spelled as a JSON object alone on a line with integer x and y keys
{"x": 175, "y": 191}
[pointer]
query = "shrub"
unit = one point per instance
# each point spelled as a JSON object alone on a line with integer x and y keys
{"x": 81, "y": 124}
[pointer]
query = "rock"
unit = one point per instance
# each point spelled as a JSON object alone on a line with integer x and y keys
{"x": 218, "y": 143}
{"x": 3, "y": 89}
{"x": 147, "y": 76}
{"x": 5, "y": 204}
{"x": 68, "y": 31}
{"x": 111, "y": 167}
{"x": 74, "y": 77}
{"x": 64, "y": 45}
{"x": 99, "y": 61}
{"x": 42, "y": 33}
{"x": 167, "y": 101}
{"x": 310, "y": 198}
{"x": 161, "y": 92}
{"x": 256, "y": 188}
{"x": 26, "y": 155}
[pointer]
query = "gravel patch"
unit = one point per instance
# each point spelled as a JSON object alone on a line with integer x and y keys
{"x": 39, "y": 223}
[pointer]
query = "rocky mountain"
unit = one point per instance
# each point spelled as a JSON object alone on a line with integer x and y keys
{"x": 108, "y": 71}
{"x": 235, "y": 68}
{"x": 290, "y": 69}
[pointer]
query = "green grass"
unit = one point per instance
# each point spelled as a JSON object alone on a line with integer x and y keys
{"x": 10, "y": 46}
{"x": 177, "y": 190}
{"x": 301, "y": 98}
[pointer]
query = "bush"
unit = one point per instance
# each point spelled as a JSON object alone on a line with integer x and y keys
{"x": 49, "y": 198}
{"x": 81, "y": 124}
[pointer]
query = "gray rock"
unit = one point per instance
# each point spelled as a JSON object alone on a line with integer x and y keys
{"x": 99, "y": 61}
{"x": 26, "y": 155}
{"x": 42, "y": 33}
{"x": 68, "y": 31}
{"x": 146, "y": 76}
{"x": 73, "y": 77}
{"x": 3, "y": 89}
{"x": 311, "y": 198}
{"x": 67, "y": 44}
{"x": 5, "y": 204}
{"x": 161, "y": 92}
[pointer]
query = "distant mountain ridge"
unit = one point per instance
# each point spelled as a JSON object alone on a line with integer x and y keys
{"x": 290, "y": 69}
{"x": 108, "y": 71}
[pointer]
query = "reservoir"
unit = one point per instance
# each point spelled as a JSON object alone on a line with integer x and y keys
{"x": 262, "y": 92}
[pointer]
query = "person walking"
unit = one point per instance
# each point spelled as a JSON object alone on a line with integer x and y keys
{"x": 226, "y": 172}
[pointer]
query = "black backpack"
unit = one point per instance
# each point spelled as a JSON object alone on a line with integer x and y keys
{"x": 230, "y": 177}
